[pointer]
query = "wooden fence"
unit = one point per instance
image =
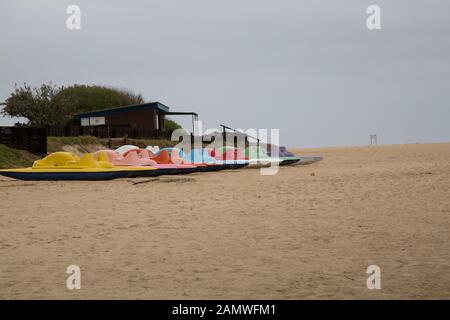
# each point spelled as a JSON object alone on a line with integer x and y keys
{"x": 32, "y": 139}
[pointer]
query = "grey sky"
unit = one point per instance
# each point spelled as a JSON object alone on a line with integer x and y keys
{"x": 310, "y": 68}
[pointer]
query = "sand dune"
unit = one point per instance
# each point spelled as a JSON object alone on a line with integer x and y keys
{"x": 237, "y": 234}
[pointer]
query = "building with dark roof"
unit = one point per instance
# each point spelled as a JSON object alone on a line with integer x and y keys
{"x": 146, "y": 116}
{"x": 140, "y": 120}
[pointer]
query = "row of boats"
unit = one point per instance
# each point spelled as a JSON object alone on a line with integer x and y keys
{"x": 132, "y": 161}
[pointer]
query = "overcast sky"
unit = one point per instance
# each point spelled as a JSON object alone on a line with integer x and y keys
{"x": 308, "y": 67}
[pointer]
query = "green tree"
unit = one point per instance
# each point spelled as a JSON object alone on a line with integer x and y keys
{"x": 39, "y": 105}
{"x": 171, "y": 125}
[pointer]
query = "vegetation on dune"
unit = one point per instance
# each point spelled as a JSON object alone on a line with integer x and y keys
{"x": 83, "y": 144}
{"x": 87, "y": 98}
{"x": 12, "y": 158}
{"x": 80, "y": 144}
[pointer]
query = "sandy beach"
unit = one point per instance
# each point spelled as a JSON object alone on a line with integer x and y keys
{"x": 306, "y": 233}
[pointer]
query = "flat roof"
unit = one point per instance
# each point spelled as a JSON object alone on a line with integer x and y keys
{"x": 181, "y": 113}
{"x": 150, "y": 105}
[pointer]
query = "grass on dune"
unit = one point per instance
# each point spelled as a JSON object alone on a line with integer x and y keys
{"x": 81, "y": 143}
{"x": 13, "y": 158}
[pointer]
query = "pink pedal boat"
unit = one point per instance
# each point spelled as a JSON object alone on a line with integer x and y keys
{"x": 142, "y": 157}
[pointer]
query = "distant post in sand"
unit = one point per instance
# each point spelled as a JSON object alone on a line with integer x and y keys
{"x": 373, "y": 140}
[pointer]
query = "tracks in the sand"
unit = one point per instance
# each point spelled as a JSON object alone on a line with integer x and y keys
{"x": 164, "y": 180}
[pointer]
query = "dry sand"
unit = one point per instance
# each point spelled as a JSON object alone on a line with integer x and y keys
{"x": 238, "y": 234}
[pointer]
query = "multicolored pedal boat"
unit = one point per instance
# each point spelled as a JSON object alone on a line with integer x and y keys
{"x": 230, "y": 157}
{"x": 67, "y": 166}
{"x": 285, "y": 156}
{"x": 258, "y": 158}
{"x": 143, "y": 158}
{"x": 302, "y": 160}
{"x": 196, "y": 157}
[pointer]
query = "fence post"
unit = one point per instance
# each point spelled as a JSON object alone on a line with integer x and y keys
{"x": 224, "y": 133}
{"x": 43, "y": 143}
{"x": 192, "y": 147}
